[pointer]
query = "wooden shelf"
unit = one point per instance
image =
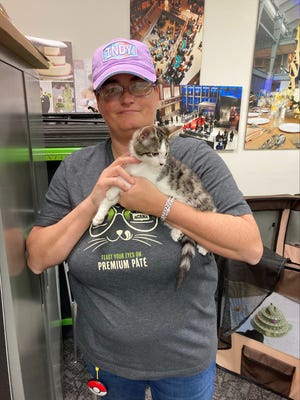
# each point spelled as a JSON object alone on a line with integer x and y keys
{"x": 14, "y": 40}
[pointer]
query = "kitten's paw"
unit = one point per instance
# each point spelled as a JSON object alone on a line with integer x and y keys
{"x": 98, "y": 219}
{"x": 176, "y": 235}
{"x": 202, "y": 250}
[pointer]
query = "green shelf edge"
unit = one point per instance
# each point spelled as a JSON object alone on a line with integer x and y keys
{"x": 22, "y": 154}
{"x": 53, "y": 153}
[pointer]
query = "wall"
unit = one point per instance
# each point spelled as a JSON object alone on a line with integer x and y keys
{"x": 229, "y": 36}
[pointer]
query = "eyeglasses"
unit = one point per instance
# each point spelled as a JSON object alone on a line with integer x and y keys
{"x": 113, "y": 91}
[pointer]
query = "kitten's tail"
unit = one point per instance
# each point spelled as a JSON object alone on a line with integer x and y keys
{"x": 187, "y": 254}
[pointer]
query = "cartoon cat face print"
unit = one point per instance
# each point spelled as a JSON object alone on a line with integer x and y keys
{"x": 123, "y": 225}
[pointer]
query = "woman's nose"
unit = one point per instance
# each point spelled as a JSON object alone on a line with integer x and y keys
{"x": 126, "y": 95}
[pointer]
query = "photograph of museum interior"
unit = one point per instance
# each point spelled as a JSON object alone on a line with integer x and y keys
{"x": 211, "y": 113}
{"x": 274, "y": 107}
{"x": 173, "y": 31}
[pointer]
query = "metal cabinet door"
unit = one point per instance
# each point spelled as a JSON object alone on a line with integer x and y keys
{"x": 23, "y": 311}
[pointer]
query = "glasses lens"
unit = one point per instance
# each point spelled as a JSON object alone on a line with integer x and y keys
{"x": 136, "y": 88}
{"x": 111, "y": 91}
{"x": 140, "y": 88}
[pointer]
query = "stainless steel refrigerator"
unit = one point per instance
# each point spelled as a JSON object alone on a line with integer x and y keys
{"x": 30, "y": 333}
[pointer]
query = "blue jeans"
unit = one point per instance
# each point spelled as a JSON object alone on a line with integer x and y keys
{"x": 196, "y": 387}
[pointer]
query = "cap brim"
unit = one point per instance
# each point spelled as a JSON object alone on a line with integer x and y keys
{"x": 124, "y": 69}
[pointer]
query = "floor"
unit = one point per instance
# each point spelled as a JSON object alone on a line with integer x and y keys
{"x": 228, "y": 386}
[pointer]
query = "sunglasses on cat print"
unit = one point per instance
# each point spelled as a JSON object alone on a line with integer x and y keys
{"x": 113, "y": 91}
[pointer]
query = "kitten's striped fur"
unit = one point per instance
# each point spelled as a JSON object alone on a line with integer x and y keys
{"x": 151, "y": 146}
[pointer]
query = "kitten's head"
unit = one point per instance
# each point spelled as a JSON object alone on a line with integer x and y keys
{"x": 150, "y": 144}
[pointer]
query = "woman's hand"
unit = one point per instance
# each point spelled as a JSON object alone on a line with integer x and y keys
{"x": 114, "y": 175}
{"x": 143, "y": 196}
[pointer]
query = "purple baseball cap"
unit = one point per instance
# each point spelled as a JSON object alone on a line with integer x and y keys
{"x": 122, "y": 56}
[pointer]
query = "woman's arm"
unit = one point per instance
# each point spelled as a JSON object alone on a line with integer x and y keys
{"x": 234, "y": 237}
{"x": 51, "y": 245}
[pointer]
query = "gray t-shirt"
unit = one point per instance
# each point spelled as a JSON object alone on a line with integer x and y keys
{"x": 131, "y": 321}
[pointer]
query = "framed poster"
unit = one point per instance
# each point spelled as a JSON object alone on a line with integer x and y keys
{"x": 173, "y": 31}
{"x": 57, "y": 83}
{"x": 211, "y": 113}
{"x": 273, "y": 121}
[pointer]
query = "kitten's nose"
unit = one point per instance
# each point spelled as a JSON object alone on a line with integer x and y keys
{"x": 161, "y": 160}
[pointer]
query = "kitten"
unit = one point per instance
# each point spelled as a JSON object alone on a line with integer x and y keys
{"x": 150, "y": 145}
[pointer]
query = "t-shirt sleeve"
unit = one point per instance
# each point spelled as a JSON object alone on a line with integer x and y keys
{"x": 57, "y": 202}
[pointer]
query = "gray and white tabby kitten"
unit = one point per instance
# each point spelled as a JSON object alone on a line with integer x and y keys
{"x": 150, "y": 145}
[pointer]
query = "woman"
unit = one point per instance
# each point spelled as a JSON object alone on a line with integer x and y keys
{"x": 132, "y": 323}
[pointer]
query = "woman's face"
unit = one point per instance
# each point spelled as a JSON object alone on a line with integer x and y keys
{"x": 128, "y": 112}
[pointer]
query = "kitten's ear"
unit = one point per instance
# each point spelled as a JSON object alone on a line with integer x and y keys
{"x": 146, "y": 132}
{"x": 166, "y": 131}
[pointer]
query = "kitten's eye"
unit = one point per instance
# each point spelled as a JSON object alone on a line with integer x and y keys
{"x": 154, "y": 154}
